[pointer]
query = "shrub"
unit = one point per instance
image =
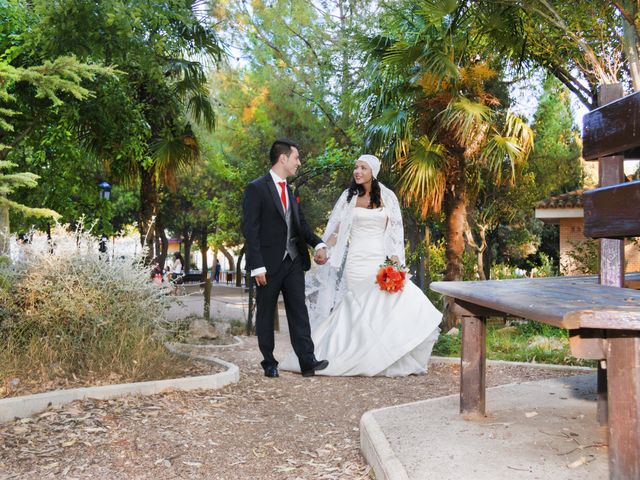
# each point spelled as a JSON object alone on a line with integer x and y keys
{"x": 77, "y": 315}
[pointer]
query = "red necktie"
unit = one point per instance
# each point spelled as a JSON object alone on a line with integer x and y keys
{"x": 283, "y": 195}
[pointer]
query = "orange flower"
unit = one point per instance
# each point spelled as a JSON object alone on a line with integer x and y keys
{"x": 391, "y": 277}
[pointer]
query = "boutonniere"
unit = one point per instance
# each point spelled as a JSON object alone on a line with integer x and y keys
{"x": 298, "y": 200}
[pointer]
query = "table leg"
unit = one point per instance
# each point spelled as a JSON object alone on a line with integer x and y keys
{"x": 473, "y": 365}
{"x": 623, "y": 378}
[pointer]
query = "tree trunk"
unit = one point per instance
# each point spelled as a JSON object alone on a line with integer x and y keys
{"x": 187, "y": 240}
{"x": 228, "y": 256}
{"x": 238, "y": 269}
{"x": 455, "y": 211}
{"x": 630, "y": 43}
{"x": 414, "y": 236}
{"x": 164, "y": 241}
{"x": 480, "y": 264}
{"x": 426, "y": 259}
{"x": 148, "y": 204}
{"x": 49, "y": 239}
{"x": 4, "y": 230}
{"x": 206, "y": 281}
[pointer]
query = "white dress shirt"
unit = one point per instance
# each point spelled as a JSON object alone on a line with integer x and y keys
{"x": 276, "y": 180}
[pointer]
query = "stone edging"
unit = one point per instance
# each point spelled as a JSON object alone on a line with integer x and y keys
{"x": 549, "y": 366}
{"x": 27, "y": 405}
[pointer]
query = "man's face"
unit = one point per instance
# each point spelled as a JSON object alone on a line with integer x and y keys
{"x": 291, "y": 162}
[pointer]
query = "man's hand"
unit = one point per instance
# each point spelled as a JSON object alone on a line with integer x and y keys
{"x": 261, "y": 279}
{"x": 321, "y": 256}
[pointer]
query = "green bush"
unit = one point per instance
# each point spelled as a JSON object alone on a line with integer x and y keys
{"x": 77, "y": 315}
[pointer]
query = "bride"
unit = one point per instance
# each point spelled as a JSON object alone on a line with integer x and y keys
{"x": 360, "y": 328}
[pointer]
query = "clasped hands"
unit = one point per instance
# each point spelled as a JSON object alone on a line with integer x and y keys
{"x": 321, "y": 256}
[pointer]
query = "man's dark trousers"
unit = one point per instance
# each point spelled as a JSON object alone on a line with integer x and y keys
{"x": 288, "y": 278}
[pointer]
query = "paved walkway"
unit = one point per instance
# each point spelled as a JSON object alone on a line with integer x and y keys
{"x": 536, "y": 430}
{"x": 227, "y": 303}
{"x": 543, "y": 429}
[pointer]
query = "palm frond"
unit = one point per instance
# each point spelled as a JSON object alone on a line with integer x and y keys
{"x": 199, "y": 108}
{"x": 423, "y": 179}
{"x": 435, "y": 11}
{"x": 174, "y": 154}
{"x": 467, "y": 120}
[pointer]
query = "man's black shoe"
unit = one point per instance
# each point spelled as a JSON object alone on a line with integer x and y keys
{"x": 271, "y": 372}
{"x": 317, "y": 365}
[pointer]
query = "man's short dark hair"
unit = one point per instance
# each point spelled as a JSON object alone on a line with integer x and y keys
{"x": 279, "y": 147}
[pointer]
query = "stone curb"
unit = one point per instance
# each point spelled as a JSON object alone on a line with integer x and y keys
{"x": 27, "y": 405}
{"x": 548, "y": 366}
{"x": 377, "y": 450}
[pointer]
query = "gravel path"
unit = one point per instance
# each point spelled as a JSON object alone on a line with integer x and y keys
{"x": 261, "y": 428}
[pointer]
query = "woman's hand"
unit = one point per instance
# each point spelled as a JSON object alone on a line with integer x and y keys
{"x": 395, "y": 259}
{"x": 333, "y": 238}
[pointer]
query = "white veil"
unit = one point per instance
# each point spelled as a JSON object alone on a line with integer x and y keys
{"x": 326, "y": 284}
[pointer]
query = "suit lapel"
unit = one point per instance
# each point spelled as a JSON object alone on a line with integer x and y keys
{"x": 293, "y": 205}
{"x": 275, "y": 195}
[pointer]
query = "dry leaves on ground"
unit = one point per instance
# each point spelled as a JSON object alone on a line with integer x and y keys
{"x": 285, "y": 428}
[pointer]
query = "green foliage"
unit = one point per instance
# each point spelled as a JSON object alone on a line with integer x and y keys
{"x": 10, "y": 181}
{"x": 138, "y": 125}
{"x": 585, "y": 256}
{"x": 526, "y": 341}
{"x": 555, "y": 161}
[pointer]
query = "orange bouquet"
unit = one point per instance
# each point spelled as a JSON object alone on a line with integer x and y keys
{"x": 391, "y": 276}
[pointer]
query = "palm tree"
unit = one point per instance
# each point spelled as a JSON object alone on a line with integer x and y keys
{"x": 433, "y": 117}
{"x": 173, "y": 145}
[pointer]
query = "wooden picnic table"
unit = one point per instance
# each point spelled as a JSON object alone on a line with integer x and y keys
{"x": 610, "y": 316}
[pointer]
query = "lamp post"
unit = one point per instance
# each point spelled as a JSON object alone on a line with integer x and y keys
{"x": 105, "y": 194}
{"x": 105, "y": 190}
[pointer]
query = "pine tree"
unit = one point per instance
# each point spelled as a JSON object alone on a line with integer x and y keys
{"x": 555, "y": 160}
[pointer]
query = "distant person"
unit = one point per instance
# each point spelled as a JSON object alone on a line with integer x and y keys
{"x": 102, "y": 246}
{"x": 177, "y": 267}
{"x": 157, "y": 274}
{"x": 216, "y": 275}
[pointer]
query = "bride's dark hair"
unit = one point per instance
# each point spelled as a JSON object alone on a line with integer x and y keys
{"x": 374, "y": 199}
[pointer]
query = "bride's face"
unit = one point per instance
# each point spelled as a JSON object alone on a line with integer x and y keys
{"x": 362, "y": 173}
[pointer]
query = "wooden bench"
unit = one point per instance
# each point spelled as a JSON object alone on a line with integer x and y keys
{"x": 602, "y": 316}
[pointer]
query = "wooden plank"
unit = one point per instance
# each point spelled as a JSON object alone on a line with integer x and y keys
{"x": 473, "y": 366}
{"x": 612, "y": 128}
{"x": 619, "y": 318}
{"x": 465, "y": 309}
{"x": 586, "y": 343}
{"x": 612, "y": 211}
{"x": 623, "y": 378}
{"x": 546, "y": 300}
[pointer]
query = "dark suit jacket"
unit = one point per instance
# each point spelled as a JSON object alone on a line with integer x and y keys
{"x": 265, "y": 228}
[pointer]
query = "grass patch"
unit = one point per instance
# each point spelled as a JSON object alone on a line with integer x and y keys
{"x": 520, "y": 342}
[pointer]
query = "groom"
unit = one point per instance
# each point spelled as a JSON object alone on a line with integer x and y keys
{"x": 277, "y": 236}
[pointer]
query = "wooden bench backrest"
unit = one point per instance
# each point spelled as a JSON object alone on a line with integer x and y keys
{"x": 611, "y": 131}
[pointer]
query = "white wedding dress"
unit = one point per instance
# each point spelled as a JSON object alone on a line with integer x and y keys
{"x": 372, "y": 332}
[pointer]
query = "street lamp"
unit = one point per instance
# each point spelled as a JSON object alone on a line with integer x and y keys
{"x": 105, "y": 190}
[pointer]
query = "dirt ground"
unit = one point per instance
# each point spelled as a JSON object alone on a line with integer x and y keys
{"x": 260, "y": 428}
